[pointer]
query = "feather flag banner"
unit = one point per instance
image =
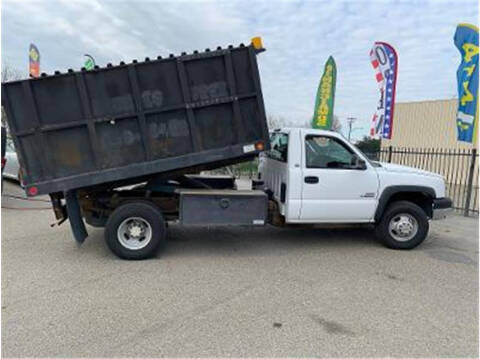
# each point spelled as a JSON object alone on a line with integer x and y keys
{"x": 323, "y": 112}
{"x": 466, "y": 41}
{"x": 33, "y": 61}
{"x": 384, "y": 60}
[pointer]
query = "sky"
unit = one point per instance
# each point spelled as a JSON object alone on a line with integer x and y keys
{"x": 299, "y": 37}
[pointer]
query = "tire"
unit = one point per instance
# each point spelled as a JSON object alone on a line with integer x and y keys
{"x": 136, "y": 230}
{"x": 98, "y": 222}
{"x": 396, "y": 228}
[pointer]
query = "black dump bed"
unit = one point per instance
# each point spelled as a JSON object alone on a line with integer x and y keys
{"x": 131, "y": 121}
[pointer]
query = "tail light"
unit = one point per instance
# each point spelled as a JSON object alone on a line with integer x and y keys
{"x": 259, "y": 146}
{"x": 32, "y": 191}
{"x": 4, "y": 162}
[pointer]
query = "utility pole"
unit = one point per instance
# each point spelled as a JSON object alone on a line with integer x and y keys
{"x": 350, "y": 121}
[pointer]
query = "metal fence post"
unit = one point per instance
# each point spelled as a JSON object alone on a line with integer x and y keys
{"x": 389, "y": 160}
{"x": 470, "y": 182}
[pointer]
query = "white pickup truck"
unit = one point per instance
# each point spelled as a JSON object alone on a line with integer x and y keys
{"x": 317, "y": 176}
{"x": 308, "y": 176}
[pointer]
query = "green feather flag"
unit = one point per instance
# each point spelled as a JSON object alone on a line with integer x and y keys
{"x": 323, "y": 112}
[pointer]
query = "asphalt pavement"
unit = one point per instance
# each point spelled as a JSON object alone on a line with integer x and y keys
{"x": 232, "y": 291}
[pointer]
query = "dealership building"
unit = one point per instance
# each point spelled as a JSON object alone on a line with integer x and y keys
{"x": 425, "y": 136}
{"x": 426, "y": 124}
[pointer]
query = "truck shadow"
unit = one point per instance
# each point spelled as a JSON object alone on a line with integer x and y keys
{"x": 268, "y": 240}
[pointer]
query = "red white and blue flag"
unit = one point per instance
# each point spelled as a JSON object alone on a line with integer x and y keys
{"x": 385, "y": 64}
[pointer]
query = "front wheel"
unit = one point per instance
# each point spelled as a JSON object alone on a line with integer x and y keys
{"x": 404, "y": 225}
{"x": 135, "y": 230}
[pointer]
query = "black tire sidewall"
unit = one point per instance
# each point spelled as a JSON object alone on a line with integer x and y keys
{"x": 147, "y": 211}
{"x": 395, "y": 208}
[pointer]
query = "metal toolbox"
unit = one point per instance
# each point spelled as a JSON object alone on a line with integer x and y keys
{"x": 214, "y": 207}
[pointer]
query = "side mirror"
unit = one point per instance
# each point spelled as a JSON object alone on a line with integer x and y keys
{"x": 358, "y": 163}
{"x": 361, "y": 164}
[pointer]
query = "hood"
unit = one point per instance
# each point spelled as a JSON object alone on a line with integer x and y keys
{"x": 391, "y": 167}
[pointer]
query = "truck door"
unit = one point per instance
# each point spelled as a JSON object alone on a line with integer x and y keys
{"x": 333, "y": 188}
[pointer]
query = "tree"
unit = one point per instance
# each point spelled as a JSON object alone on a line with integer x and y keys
{"x": 369, "y": 145}
{"x": 275, "y": 122}
{"x": 336, "y": 124}
{"x": 9, "y": 73}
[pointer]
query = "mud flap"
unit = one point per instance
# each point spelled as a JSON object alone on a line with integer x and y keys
{"x": 74, "y": 215}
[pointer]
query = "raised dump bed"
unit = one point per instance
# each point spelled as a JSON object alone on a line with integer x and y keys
{"x": 127, "y": 122}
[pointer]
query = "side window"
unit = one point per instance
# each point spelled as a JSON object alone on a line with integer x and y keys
{"x": 279, "y": 147}
{"x": 327, "y": 152}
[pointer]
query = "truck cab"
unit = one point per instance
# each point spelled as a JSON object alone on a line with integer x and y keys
{"x": 317, "y": 176}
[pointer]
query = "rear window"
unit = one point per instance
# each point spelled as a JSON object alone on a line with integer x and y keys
{"x": 279, "y": 147}
{"x": 10, "y": 146}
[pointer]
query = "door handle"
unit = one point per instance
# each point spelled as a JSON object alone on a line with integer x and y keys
{"x": 311, "y": 179}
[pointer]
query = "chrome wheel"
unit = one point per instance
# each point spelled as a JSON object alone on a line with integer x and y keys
{"x": 403, "y": 227}
{"x": 134, "y": 233}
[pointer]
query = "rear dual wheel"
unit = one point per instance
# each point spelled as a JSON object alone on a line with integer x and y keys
{"x": 136, "y": 230}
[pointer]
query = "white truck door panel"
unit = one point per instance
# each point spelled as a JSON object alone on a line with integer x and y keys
{"x": 275, "y": 174}
{"x": 332, "y": 190}
{"x": 275, "y": 169}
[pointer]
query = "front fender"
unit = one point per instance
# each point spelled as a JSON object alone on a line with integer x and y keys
{"x": 390, "y": 191}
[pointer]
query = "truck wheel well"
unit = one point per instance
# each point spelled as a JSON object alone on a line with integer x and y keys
{"x": 423, "y": 200}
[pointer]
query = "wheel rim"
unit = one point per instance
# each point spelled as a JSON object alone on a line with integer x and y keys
{"x": 134, "y": 233}
{"x": 403, "y": 227}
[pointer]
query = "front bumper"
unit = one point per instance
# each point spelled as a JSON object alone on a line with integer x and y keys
{"x": 441, "y": 207}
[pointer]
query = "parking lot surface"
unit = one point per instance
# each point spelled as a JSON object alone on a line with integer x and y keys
{"x": 237, "y": 292}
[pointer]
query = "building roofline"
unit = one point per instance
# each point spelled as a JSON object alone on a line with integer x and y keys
{"x": 424, "y": 101}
